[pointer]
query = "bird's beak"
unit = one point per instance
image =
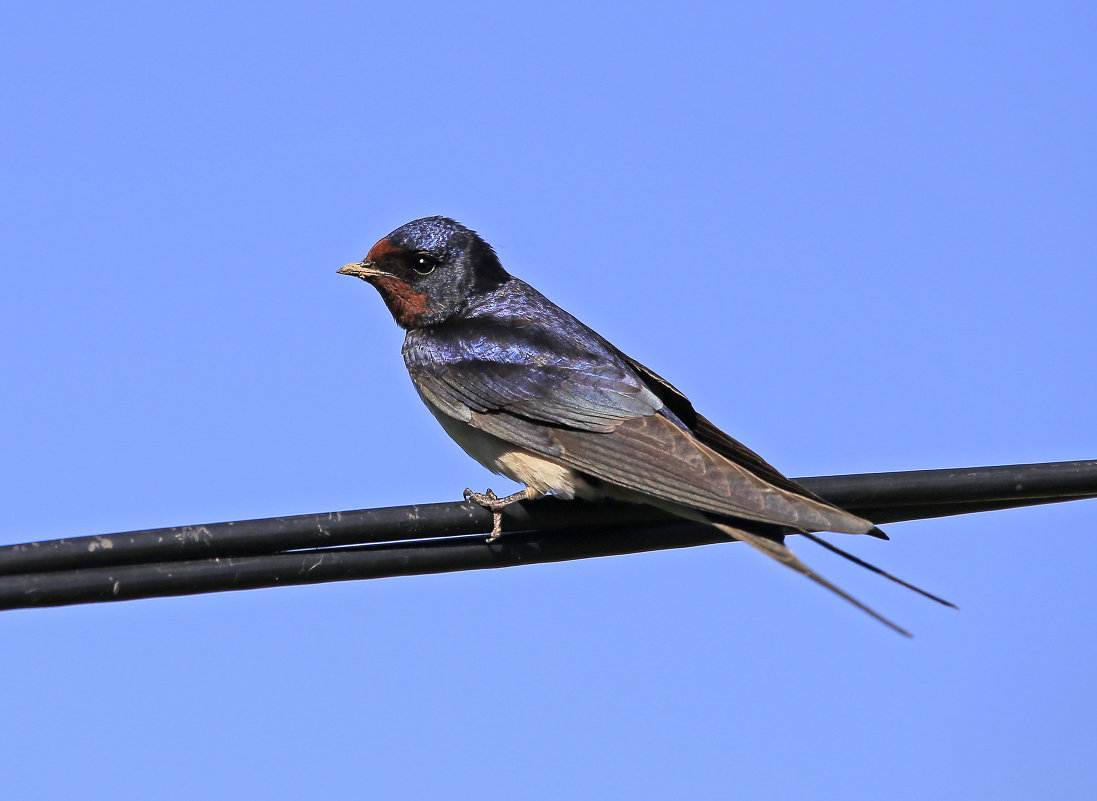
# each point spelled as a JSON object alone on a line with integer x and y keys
{"x": 361, "y": 269}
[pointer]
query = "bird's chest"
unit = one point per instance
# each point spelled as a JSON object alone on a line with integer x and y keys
{"x": 538, "y": 473}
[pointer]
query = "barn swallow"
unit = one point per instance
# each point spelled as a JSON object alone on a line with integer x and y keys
{"x": 533, "y": 394}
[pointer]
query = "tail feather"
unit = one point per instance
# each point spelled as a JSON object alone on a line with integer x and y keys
{"x": 781, "y": 553}
{"x": 862, "y": 563}
{"x": 770, "y": 541}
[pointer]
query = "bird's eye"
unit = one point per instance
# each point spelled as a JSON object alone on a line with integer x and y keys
{"x": 424, "y": 263}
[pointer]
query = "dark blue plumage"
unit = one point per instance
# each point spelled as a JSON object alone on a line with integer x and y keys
{"x": 534, "y": 394}
{"x": 514, "y": 349}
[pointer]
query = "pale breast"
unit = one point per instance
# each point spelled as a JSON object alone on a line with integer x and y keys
{"x": 539, "y": 474}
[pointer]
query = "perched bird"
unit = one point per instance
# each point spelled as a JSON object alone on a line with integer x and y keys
{"x": 535, "y": 395}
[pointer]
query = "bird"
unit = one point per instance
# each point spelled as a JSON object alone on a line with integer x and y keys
{"x": 535, "y": 395}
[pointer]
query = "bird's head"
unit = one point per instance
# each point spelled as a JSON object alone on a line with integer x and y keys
{"x": 429, "y": 270}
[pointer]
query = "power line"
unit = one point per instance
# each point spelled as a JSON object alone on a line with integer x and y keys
{"x": 444, "y": 537}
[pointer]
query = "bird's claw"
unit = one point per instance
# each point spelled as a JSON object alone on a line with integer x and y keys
{"x": 485, "y": 498}
{"x": 494, "y": 504}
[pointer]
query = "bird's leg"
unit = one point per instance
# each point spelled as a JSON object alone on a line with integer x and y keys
{"x": 489, "y": 500}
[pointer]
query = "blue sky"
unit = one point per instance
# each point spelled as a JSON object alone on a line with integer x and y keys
{"x": 860, "y": 237}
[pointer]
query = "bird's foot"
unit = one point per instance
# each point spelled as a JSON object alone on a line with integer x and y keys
{"x": 492, "y": 502}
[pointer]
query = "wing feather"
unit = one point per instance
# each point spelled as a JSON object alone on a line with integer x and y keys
{"x": 712, "y": 436}
{"x": 652, "y": 456}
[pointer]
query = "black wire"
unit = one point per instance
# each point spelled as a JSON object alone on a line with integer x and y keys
{"x": 187, "y": 577}
{"x": 433, "y": 538}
